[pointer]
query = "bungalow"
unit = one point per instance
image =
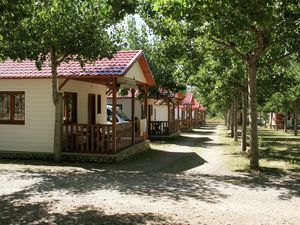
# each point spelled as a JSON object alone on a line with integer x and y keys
{"x": 276, "y": 120}
{"x": 184, "y": 111}
{"x": 196, "y": 120}
{"x": 202, "y": 112}
{"x": 161, "y": 118}
{"x": 162, "y": 122}
{"x": 27, "y": 111}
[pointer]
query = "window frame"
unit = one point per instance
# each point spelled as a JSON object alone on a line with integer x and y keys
{"x": 12, "y": 120}
{"x": 73, "y": 95}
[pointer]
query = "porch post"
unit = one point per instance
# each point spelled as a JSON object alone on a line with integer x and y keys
{"x": 173, "y": 117}
{"x": 173, "y": 112}
{"x": 190, "y": 116}
{"x": 178, "y": 122}
{"x": 146, "y": 111}
{"x": 114, "y": 120}
{"x": 178, "y": 111}
{"x": 133, "y": 116}
{"x": 169, "y": 127}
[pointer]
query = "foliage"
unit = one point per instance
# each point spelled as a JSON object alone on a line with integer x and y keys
{"x": 170, "y": 58}
{"x": 58, "y": 31}
{"x": 257, "y": 33}
{"x": 77, "y": 30}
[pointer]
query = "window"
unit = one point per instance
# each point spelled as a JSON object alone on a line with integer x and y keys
{"x": 70, "y": 107}
{"x": 98, "y": 103}
{"x": 12, "y": 107}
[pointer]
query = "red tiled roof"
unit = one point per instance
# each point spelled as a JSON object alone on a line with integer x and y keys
{"x": 196, "y": 104}
{"x": 117, "y": 66}
{"x": 188, "y": 99}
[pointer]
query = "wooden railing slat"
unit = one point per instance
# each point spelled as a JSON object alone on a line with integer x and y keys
{"x": 76, "y": 137}
{"x": 88, "y": 138}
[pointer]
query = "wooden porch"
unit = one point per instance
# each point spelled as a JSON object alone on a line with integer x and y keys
{"x": 98, "y": 138}
{"x": 163, "y": 128}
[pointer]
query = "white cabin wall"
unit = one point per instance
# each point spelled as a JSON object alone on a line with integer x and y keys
{"x": 37, "y": 133}
{"x": 136, "y": 73}
{"x": 176, "y": 113}
{"x": 126, "y": 106}
{"x": 83, "y": 89}
{"x": 161, "y": 112}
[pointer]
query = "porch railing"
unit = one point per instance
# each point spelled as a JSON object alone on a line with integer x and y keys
{"x": 185, "y": 124}
{"x": 163, "y": 128}
{"x": 97, "y": 138}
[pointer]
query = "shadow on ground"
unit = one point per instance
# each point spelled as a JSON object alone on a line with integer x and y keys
{"x": 282, "y": 148}
{"x": 198, "y": 137}
{"x": 38, "y": 213}
{"x": 156, "y": 174}
{"x": 16, "y": 209}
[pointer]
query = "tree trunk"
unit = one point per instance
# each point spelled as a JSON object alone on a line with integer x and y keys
{"x": 235, "y": 120}
{"x": 229, "y": 119}
{"x": 295, "y": 120}
{"x": 244, "y": 122}
{"x": 58, "y": 104}
{"x": 271, "y": 122}
{"x": 225, "y": 119}
{"x": 232, "y": 120}
{"x": 254, "y": 157}
{"x": 285, "y": 122}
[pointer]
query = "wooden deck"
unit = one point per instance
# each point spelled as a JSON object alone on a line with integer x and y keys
{"x": 98, "y": 138}
{"x": 163, "y": 128}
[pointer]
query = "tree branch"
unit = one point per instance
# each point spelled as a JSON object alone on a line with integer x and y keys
{"x": 272, "y": 61}
{"x": 261, "y": 43}
{"x": 230, "y": 47}
{"x": 59, "y": 61}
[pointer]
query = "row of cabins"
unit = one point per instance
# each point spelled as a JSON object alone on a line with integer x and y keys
{"x": 168, "y": 113}
{"x": 274, "y": 119}
{"x": 27, "y": 113}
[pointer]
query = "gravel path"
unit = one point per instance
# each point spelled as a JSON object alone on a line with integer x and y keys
{"x": 182, "y": 182}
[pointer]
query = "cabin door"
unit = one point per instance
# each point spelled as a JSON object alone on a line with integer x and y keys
{"x": 91, "y": 109}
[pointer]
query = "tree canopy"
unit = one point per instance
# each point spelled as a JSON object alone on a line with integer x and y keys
{"x": 257, "y": 33}
{"x": 58, "y": 31}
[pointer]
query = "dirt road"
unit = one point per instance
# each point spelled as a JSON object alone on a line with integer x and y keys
{"x": 185, "y": 181}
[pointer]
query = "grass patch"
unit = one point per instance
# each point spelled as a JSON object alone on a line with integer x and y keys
{"x": 236, "y": 159}
{"x": 279, "y": 152}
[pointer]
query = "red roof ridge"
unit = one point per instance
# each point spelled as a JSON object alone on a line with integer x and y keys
{"x": 133, "y": 60}
{"x": 119, "y": 65}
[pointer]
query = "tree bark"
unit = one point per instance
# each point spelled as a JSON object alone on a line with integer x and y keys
{"x": 232, "y": 120}
{"x": 58, "y": 104}
{"x": 225, "y": 119}
{"x": 295, "y": 120}
{"x": 285, "y": 122}
{"x": 235, "y": 119}
{"x": 229, "y": 118}
{"x": 254, "y": 157}
{"x": 244, "y": 122}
